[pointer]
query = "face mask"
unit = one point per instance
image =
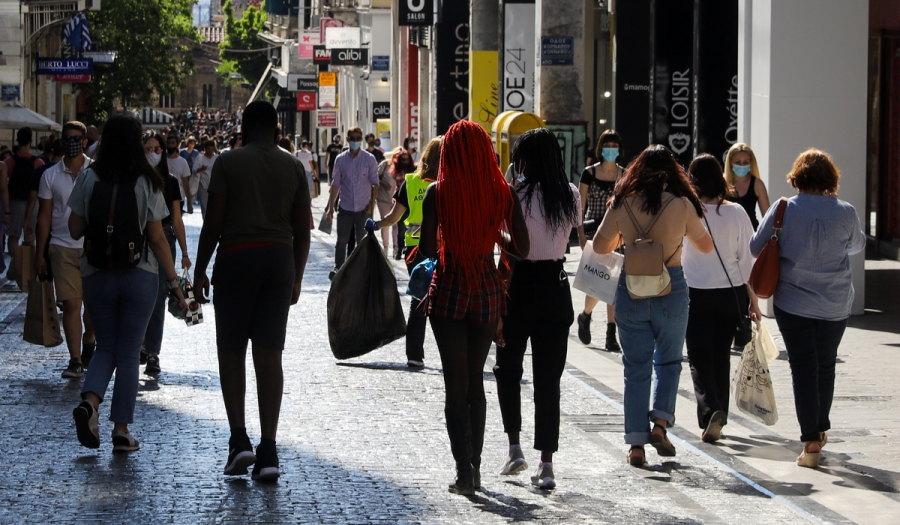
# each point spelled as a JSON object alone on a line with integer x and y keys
{"x": 355, "y": 145}
{"x": 172, "y": 151}
{"x": 153, "y": 158}
{"x": 74, "y": 149}
{"x": 741, "y": 171}
{"x": 610, "y": 154}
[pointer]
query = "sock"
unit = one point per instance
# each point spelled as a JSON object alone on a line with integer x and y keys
{"x": 548, "y": 464}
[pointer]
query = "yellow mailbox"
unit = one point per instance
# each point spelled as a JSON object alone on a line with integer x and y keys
{"x": 496, "y": 127}
{"x": 510, "y": 129}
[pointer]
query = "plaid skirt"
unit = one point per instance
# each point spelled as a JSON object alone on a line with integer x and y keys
{"x": 483, "y": 304}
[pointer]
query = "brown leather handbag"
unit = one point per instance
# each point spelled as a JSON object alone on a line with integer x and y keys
{"x": 764, "y": 276}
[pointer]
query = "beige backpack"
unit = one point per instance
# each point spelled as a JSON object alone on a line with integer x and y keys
{"x": 645, "y": 269}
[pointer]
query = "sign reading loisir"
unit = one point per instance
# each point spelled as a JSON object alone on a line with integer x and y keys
{"x": 64, "y": 66}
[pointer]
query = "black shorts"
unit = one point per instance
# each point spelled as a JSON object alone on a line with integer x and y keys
{"x": 252, "y": 290}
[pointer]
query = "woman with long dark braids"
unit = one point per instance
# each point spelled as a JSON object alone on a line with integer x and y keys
{"x": 654, "y": 196}
{"x": 540, "y": 301}
{"x": 474, "y": 209}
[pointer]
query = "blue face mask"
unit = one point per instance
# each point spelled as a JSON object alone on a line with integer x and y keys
{"x": 355, "y": 145}
{"x": 741, "y": 171}
{"x": 610, "y": 154}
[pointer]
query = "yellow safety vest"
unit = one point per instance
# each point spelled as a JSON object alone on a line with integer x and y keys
{"x": 415, "y": 194}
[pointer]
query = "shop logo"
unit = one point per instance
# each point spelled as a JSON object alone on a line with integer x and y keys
{"x": 679, "y": 142}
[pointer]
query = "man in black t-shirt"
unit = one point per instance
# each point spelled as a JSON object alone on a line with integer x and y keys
{"x": 331, "y": 153}
{"x": 370, "y": 147}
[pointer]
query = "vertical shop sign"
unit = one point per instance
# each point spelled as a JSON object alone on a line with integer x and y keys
{"x": 631, "y": 113}
{"x": 452, "y": 67}
{"x": 671, "y": 74}
{"x": 484, "y": 87}
{"x": 412, "y": 94}
{"x": 715, "y": 73}
{"x": 518, "y": 55}
{"x": 308, "y": 40}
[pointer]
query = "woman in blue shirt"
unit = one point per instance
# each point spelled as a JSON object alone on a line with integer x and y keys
{"x": 815, "y": 290}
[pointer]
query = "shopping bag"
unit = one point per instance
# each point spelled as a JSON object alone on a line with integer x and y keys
{"x": 770, "y": 351}
{"x": 325, "y": 223}
{"x": 752, "y": 383}
{"x": 598, "y": 275}
{"x": 24, "y": 269}
{"x": 41, "y": 316}
{"x": 364, "y": 308}
{"x": 194, "y": 314}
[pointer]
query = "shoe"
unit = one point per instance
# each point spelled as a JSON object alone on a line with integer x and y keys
{"x": 413, "y": 363}
{"x": 515, "y": 463}
{"x": 87, "y": 424}
{"x": 87, "y": 353}
{"x": 398, "y": 256}
{"x": 713, "y": 430}
{"x": 807, "y": 458}
{"x": 611, "y": 344}
{"x": 477, "y": 417}
{"x": 266, "y": 467}
{"x": 240, "y": 456}
{"x": 124, "y": 442}
{"x": 152, "y": 365}
{"x": 661, "y": 443}
{"x": 74, "y": 370}
{"x": 144, "y": 356}
{"x": 636, "y": 456}
{"x": 584, "y": 328}
{"x": 331, "y": 274}
{"x": 543, "y": 477}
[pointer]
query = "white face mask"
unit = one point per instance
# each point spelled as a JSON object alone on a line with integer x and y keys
{"x": 153, "y": 158}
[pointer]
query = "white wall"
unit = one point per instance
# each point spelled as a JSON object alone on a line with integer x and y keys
{"x": 803, "y": 63}
{"x": 11, "y": 42}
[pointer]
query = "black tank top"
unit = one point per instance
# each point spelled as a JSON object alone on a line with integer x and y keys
{"x": 749, "y": 201}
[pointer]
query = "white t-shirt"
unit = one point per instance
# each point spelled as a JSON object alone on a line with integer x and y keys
{"x": 202, "y": 161}
{"x": 179, "y": 169}
{"x": 56, "y": 185}
{"x": 731, "y": 230}
{"x": 305, "y": 157}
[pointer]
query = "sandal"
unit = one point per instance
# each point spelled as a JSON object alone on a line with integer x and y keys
{"x": 809, "y": 458}
{"x": 661, "y": 442}
{"x": 636, "y": 456}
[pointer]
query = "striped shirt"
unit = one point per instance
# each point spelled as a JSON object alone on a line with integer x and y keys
{"x": 546, "y": 244}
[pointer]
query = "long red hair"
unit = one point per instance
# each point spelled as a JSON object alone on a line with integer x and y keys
{"x": 474, "y": 202}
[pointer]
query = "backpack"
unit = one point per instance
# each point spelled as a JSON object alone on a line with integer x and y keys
{"x": 23, "y": 169}
{"x": 114, "y": 237}
{"x": 645, "y": 269}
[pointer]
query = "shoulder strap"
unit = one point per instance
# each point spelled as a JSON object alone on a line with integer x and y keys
{"x": 645, "y": 233}
{"x": 736, "y": 301}
{"x": 779, "y": 214}
{"x": 110, "y": 221}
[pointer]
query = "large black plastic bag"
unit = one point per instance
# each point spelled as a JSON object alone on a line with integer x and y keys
{"x": 364, "y": 309}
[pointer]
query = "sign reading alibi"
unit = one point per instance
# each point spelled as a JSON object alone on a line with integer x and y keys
{"x": 64, "y": 66}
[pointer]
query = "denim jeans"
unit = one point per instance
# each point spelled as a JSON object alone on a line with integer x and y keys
{"x": 652, "y": 335}
{"x": 415, "y": 325}
{"x": 812, "y": 346}
{"x": 120, "y": 303}
{"x": 153, "y": 337}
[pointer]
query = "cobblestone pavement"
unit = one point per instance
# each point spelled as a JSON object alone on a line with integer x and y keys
{"x": 361, "y": 441}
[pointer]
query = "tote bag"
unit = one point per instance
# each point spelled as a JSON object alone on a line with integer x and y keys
{"x": 752, "y": 383}
{"x": 41, "y": 315}
{"x": 598, "y": 275}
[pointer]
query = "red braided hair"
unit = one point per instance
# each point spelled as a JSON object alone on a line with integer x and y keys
{"x": 474, "y": 202}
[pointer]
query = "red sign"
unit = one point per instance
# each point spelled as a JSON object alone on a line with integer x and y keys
{"x": 72, "y": 78}
{"x": 81, "y": 102}
{"x": 327, "y": 119}
{"x": 306, "y": 101}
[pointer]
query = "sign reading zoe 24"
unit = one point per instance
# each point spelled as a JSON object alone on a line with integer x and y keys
{"x": 417, "y": 12}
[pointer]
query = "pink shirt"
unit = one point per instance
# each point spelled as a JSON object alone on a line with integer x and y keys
{"x": 547, "y": 244}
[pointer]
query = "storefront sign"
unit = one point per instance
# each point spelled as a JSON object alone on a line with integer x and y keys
{"x": 297, "y": 82}
{"x": 342, "y": 38}
{"x": 325, "y": 23}
{"x": 411, "y": 128}
{"x": 557, "y": 51}
{"x": 417, "y": 12}
{"x": 9, "y": 92}
{"x": 72, "y": 78}
{"x": 381, "y": 63}
{"x": 632, "y": 91}
{"x": 64, "y": 66}
{"x": 672, "y": 67}
{"x": 327, "y": 90}
{"x": 716, "y": 52}
{"x": 349, "y": 57}
{"x": 381, "y": 110}
{"x": 326, "y": 119}
{"x": 452, "y": 67}
{"x": 306, "y": 101}
{"x": 321, "y": 55}
{"x": 484, "y": 88}
{"x": 308, "y": 40}
{"x": 518, "y": 56}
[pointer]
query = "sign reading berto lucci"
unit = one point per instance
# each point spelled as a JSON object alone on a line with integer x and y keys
{"x": 64, "y": 66}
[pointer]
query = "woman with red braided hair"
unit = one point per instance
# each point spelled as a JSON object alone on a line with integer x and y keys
{"x": 464, "y": 214}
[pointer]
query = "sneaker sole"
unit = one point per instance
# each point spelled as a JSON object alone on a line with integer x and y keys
{"x": 123, "y": 444}
{"x": 72, "y": 375}
{"x": 546, "y": 483}
{"x": 83, "y": 428}
{"x": 238, "y": 466}
{"x": 266, "y": 474}
{"x": 517, "y": 466}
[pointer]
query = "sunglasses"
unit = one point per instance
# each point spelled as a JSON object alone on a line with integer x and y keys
{"x": 151, "y": 149}
{"x": 71, "y": 138}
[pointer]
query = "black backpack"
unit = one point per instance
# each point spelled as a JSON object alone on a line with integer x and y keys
{"x": 23, "y": 169}
{"x": 113, "y": 238}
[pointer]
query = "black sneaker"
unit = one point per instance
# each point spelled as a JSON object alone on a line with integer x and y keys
{"x": 331, "y": 274}
{"x": 87, "y": 353}
{"x": 144, "y": 356}
{"x": 611, "y": 344}
{"x": 584, "y": 328}
{"x": 266, "y": 467}
{"x": 240, "y": 456}
{"x": 152, "y": 365}
{"x": 74, "y": 370}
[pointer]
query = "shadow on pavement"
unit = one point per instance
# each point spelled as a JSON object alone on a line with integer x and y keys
{"x": 882, "y": 307}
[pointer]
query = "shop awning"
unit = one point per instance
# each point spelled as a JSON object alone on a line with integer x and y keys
{"x": 14, "y": 115}
{"x": 262, "y": 82}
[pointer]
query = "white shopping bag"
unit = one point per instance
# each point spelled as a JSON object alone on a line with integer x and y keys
{"x": 752, "y": 383}
{"x": 598, "y": 275}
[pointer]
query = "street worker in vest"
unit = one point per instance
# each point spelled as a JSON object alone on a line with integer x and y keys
{"x": 409, "y": 199}
{"x": 20, "y": 167}
{"x": 65, "y": 252}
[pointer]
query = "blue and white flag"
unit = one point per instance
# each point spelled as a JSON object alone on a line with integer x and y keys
{"x": 76, "y": 32}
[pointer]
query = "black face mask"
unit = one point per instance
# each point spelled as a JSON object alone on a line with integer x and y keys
{"x": 172, "y": 151}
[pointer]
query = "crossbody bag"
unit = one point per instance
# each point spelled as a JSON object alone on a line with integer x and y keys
{"x": 742, "y": 316}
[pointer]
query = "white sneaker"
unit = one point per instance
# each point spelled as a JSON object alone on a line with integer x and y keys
{"x": 515, "y": 463}
{"x": 543, "y": 477}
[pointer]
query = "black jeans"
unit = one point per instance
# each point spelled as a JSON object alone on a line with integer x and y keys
{"x": 713, "y": 318}
{"x": 415, "y": 325}
{"x": 348, "y": 222}
{"x": 540, "y": 309}
{"x": 812, "y": 351}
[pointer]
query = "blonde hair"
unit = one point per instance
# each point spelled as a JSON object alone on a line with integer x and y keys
{"x": 431, "y": 158}
{"x": 734, "y": 150}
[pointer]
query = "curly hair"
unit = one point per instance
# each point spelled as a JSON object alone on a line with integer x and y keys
{"x": 814, "y": 171}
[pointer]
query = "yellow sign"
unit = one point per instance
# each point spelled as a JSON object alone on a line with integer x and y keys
{"x": 327, "y": 78}
{"x": 484, "y": 88}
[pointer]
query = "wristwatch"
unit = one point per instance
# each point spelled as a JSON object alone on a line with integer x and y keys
{"x": 173, "y": 284}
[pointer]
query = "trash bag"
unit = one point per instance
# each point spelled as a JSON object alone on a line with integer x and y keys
{"x": 364, "y": 309}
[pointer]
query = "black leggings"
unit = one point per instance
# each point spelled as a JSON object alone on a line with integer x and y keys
{"x": 464, "y": 348}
